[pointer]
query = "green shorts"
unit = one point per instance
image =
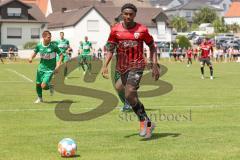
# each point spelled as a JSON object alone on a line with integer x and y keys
{"x": 65, "y": 58}
{"x": 117, "y": 76}
{"x": 84, "y": 58}
{"x": 44, "y": 77}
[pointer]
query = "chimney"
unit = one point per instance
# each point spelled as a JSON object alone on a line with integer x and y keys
{"x": 63, "y": 9}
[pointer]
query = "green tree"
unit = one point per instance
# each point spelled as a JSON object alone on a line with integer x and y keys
{"x": 183, "y": 42}
{"x": 179, "y": 23}
{"x": 234, "y": 28}
{"x": 205, "y": 15}
{"x": 219, "y": 26}
{"x": 194, "y": 27}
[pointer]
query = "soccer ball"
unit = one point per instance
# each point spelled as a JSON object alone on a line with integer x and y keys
{"x": 67, "y": 147}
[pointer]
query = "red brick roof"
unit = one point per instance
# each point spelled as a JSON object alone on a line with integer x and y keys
{"x": 234, "y": 10}
{"x": 42, "y": 4}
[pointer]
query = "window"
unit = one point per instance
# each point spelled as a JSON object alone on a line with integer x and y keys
{"x": 161, "y": 27}
{"x": 93, "y": 25}
{"x": 14, "y": 33}
{"x": 35, "y": 33}
{"x": 224, "y": 7}
{"x": 188, "y": 14}
{"x": 14, "y": 12}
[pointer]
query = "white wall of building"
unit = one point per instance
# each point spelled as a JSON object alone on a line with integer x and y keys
{"x": 161, "y": 37}
{"x": 68, "y": 34}
{"x": 98, "y": 38}
{"x": 49, "y": 8}
{"x": 26, "y": 33}
{"x": 77, "y": 33}
{"x": 232, "y": 20}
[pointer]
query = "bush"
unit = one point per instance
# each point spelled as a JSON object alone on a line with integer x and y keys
{"x": 194, "y": 27}
{"x": 30, "y": 45}
{"x": 183, "y": 42}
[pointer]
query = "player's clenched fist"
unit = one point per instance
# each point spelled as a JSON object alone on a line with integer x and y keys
{"x": 105, "y": 72}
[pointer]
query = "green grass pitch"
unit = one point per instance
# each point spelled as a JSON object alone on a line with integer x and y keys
{"x": 207, "y": 127}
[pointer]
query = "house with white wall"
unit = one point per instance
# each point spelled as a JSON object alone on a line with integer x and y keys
{"x": 20, "y": 23}
{"x": 95, "y": 22}
{"x": 233, "y": 14}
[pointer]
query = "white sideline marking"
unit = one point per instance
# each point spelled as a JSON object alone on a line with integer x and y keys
{"x": 12, "y": 81}
{"x": 34, "y": 109}
{"x": 21, "y": 75}
{"x": 159, "y": 107}
{"x": 24, "y": 110}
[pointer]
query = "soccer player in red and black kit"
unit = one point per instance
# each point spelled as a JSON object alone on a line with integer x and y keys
{"x": 189, "y": 56}
{"x": 128, "y": 37}
{"x": 206, "y": 49}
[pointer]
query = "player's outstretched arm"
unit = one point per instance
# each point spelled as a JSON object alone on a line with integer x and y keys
{"x": 153, "y": 59}
{"x": 80, "y": 51}
{"x": 110, "y": 50}
{"x": 59, "y": 63}
{"x": 32, "y": 57}
{"x": 105, "y": 65}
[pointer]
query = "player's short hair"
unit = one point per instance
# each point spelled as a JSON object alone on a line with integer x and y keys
{"x": 62, "y": 32}
{"x": 129, "y": 6}
{"x": 45, "y": 33}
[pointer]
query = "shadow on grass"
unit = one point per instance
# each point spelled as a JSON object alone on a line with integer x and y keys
{"x": 156, "y": 136}
{"x": 161, "y": 135}
{"x": 52, "y": 102}
{"x": 75, "y": 156}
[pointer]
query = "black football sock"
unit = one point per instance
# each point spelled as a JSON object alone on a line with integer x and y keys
{"x": 39, "y": 91}
{"x": 65, "y": 71}
{"x": 202, "y": 70}
{"x": 211, "y": 71}
{"x": 140, "y": 112}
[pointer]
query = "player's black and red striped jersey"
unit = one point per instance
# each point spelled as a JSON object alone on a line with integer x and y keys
{"x": 205, "y": 50}
{"x": 129, "y": 43}
{"x": 189, "y": 53}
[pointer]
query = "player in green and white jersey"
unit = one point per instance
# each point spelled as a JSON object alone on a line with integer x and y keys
{"x": 48, "y": 65}
{"x": 63, "y": 45}
{"x": 85, "y": 55}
